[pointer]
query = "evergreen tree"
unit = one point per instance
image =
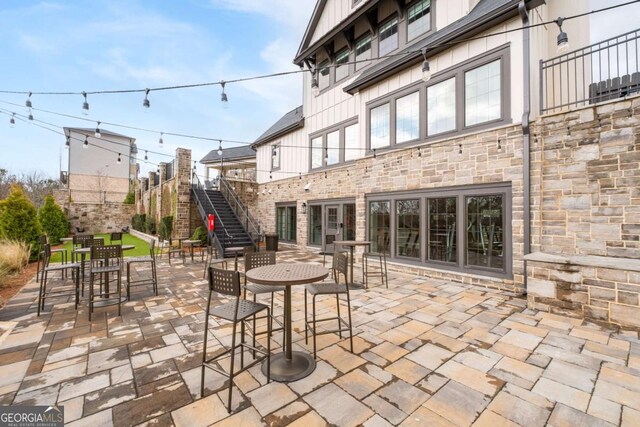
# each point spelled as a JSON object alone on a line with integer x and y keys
{"x": 53, "y": 220}
{"x": 19, "y": 219}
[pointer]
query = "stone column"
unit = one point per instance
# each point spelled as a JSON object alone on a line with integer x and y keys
{"x": 163, "y": 177}
{"x": 182, "y": 172}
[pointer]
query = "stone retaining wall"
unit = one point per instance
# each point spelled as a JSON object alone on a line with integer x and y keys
{"x": 100, "y": 217}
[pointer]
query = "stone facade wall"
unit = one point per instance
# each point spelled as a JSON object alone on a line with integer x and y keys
{"x": 170, "y": 197}
{"x": 433, "y": 166}
{"x": 100, "y": 217}
{"x": 586, "y": 226}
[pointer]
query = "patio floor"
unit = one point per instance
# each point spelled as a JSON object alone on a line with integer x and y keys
{"x": 427, "y": 352}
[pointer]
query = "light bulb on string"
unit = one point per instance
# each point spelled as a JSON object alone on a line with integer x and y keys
{"x": 146, "y": 157}
{"x": 119, "y": 160}
{"x": 499, "y": 146}
{"x": 223, "y": 96}
{"x": 460, "y": 150}
{"x": 160, "y": 141}
{"x": 85, "y": 104}
{"x": 563, "y": 39}
{"x": 98, "y": 134}
{"x": 12, "y": 120}
{"x": 68, "y": 142}
{"x": 220, "y": 148}
{"x": 315, "y": 88}
{"x": 426, "y": 70}
{"x": 28, "y": 103}
{"x": 30, "y": 115}
{"x": 85, "y": 144}
{"x": 146, "y": 104}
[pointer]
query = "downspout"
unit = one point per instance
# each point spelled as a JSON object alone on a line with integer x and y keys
{"x": 526, "y": 108}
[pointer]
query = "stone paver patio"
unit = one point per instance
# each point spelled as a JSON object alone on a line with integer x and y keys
{"x": 428, "y": 352}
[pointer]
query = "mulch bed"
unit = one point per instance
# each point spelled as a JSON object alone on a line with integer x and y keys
{"x": 14, "y": 283}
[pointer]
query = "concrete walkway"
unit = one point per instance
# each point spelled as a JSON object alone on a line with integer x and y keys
{"x": 427, "y": 353}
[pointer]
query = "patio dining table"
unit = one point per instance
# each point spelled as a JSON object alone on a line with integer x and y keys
{"x": 191, "y": 243}
{"x": 83, "y": 252}
{"x": 289, "y": 365}
{"x": 352, "y": 244}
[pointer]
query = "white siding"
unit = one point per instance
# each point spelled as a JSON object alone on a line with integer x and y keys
{"x": 335, "y": 11}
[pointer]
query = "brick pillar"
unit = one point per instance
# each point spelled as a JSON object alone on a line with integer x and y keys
{"x": 163, "y": 177}
{"x": 182, "y": 216}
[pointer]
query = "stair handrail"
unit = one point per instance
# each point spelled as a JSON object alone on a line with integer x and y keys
{"x": 198, "y": 186}
{"x": 252, "y": 226}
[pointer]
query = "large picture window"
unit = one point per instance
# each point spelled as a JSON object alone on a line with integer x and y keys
{"x": 351, "y": 143}
{"x": 333, "y": 148}
{"x": 463, "y": 229}
{"x": 408, "y": 117}
{"x": 380, "y": 126}
{"x": 418, "y": 19}
{"x": 316, "y": 153}
{"x": 441, "y": 107}
{"x": 482, "y": 94}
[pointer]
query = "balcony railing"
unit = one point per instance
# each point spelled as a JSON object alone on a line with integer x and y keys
{"x": 599, "y": 72}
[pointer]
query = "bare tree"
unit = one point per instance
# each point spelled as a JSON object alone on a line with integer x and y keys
{"x": 36, "y": 185}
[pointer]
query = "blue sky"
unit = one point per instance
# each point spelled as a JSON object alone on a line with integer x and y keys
{"x": 85, "y": 45}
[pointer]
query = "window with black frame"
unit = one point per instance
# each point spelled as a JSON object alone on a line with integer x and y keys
{"x": 315, "y": 225}
{"x": 408, "y": 228}
{"x": 442, "y": 229}
{"x": 485, "y": 226}
{"x": 380, "y": 226}
{"x": 286, "y": 223}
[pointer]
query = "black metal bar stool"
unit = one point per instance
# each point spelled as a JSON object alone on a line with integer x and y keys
{"x": 62, "y": 268}
{"x": 153, "y": 280}
{"x": 105, "y": 260}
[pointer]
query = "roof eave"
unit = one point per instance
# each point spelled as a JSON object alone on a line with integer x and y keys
{"x": 278, "y": 134}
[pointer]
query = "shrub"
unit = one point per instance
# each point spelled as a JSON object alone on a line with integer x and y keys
{"x": 19, "y": 219}
{"x": 138, "y": 222}
{"x": 151, "y": 226}
{"x": 53, "y": 220}
{"x": 130, "y": 199}
{"x": 200, "y": 233}
{"x": 165, "y": 228}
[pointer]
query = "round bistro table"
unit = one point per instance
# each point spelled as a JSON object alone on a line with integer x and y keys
{"x": 235, "y": 250}
{"x": 289, "y": 365}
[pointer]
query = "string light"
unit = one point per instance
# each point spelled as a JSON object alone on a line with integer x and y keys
{"x": 68, "y": 142}
{"x": 223, "y": 96}
{"x": 563, "y": 39}
{"x": 146, "y": 103}
{"x": 12, "y": 120}
{"x": 160, "y": 141}
{"x": 220, "y": 148}
{"x": 300, "y": 175}
{"x": 499, "y": 146}
{"x": 146, "y": 156}
{"x": 85, "y": 104}
{"x": 275, "y": 152}
{"x": 374, "y": 153}
{"x": 98, "y": 134}
{"x": 119, "y": 160}
{"x": 28, "y": 103}
{"x": 460, "y": 150}
{"x": 315, "y": 88}
{"x": 326, "y": 154}
{"x": 426, "y": 70}
{"x": 86, "y": 142}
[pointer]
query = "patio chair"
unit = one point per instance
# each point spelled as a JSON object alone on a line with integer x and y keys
{"x": 342, "y": 262}
{"x": 62, "y": 268}
{"x": 151, "y": 260}
{"x": 105, "y": 260}
{"x": 213, "y": 258}
{"x": 176, "y": 250}
{"x": 328, "y": 242}
{"x": 116, "y": 236}
{"x": 78, "y": 242}
{"x": 43, "y": 241}
{"x": 238, "y": 310}
{"x": 370, "y": 269}
{"x": 254, "y": 260}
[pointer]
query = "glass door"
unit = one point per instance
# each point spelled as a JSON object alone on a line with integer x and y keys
{"x": 331, "y": 227}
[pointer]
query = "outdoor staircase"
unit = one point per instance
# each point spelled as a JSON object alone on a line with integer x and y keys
{"x": 228, "y": 229}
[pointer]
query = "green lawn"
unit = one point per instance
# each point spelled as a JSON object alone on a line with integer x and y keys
{"x": 141, "y": 246}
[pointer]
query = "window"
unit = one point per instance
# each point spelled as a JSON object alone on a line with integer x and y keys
{"x": 351, "y": 143}
{"x": 388, "y": 37}
{"x": 442, "y": 229}
{"x": 408, "y": 228}
{"x": 333, "y": 148}
{"x": 286, "y": 223}
{"x": 482, "y": 94}
{"x": 363, "y": 51}
{"x": 349, "y": 221}
{"x": 408, "y": 118}
{"x": 323, "y": 77}
{"x": 342, "y": 68}
{"x": 441, "y": 107}
{"x": 334, "y": 145}
{"x": 379, "y": 226}
{"x": 418, "y": 19}
{"x": 316, "y": 153}
{"x": 379, "y": 127}
{"x": 315, "y": 225}
{"x": 275, "y": 157}
{"x": 465, "y": 229}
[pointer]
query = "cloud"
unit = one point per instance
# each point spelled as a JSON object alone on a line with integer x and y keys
{"x": 292, "y": 13}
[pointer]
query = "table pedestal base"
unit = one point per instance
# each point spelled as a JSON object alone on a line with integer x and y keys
{"x": 284, "y": 370}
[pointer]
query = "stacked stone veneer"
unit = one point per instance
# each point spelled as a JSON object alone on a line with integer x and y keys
{"x": 586, "y": 204}
{"x": 170, "y": 197}
{"x": 437, "y": 165}
{"x": 99, "y": 217}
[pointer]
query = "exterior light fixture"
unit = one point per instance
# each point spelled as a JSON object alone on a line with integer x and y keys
{"x": 269, "y": 191}
{"x": 146, "y": 103}
{"x": 86, "y": 142}
{"x": 30, "y": 115}
{"x": 12, "y": 120}
{"x": 315, "y": 88}
{"x": 85, "y": 104}
{"x": 270, "y": 176}
{"x": 223, "y": 96}
{"x": 119, "y": 160}
{"x": 220, "y": 148}
{"x": 304, "y": 208}
{"x": 28, "y": 103}
{"x": 161, "y": 141}
{"x": 426, "y": 70}
{"x": 98, "y": 134}
{"x": 563, "y": 39}
{"x": 264, "y": 192}
{"x": 307, "y": 186}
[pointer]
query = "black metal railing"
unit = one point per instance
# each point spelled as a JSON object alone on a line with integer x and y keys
{"x": 251, "y": 225}
{"x": 197, "y": 188}
{"x": 599, "y": 72}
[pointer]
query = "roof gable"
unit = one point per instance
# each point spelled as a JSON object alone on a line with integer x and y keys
{"x": 228, "y": 154}
{"x": 290, "y": 121}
